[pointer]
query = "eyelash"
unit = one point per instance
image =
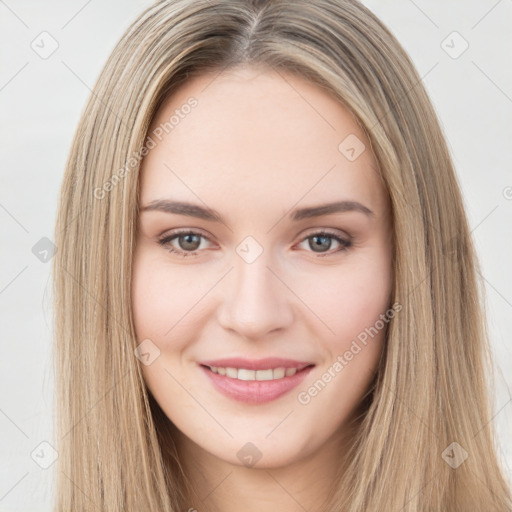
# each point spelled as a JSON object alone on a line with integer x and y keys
{"x": 165, "y": 242}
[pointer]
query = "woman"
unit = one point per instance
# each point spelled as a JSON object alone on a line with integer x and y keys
{"x": 263, "y": 367}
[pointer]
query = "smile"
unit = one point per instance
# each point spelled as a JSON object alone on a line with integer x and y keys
{"x": 255, "y": 386}
{"x": 245, "y": 374}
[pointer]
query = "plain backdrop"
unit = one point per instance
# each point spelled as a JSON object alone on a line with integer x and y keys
{"x": 462, "y": 51}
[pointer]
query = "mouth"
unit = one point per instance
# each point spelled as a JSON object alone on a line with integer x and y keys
{"x": 246, "y": 374}
{"x": 252, "y": 386}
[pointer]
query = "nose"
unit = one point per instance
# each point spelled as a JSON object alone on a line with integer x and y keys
{"x": 255, "y": 300}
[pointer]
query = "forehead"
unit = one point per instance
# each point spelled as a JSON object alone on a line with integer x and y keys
{"x": 256, "y": 135}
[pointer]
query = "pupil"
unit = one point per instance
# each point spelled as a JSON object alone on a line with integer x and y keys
{"x": 187, "y": 238}
{"x": 319, "y": 244}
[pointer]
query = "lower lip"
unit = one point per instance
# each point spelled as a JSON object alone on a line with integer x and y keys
{"x": 255, "y": 391}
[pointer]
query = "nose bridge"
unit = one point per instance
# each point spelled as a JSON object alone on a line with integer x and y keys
{"x": 253, "y": 281}
{"x": 256, "y": 301}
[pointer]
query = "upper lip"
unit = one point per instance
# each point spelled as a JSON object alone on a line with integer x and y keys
{"x": 256, "y": 364}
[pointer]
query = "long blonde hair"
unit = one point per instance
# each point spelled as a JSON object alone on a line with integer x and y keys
{"x": 115, "y": 445}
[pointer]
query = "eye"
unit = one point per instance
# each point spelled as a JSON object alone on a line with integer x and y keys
{"x": 323, "y": 240}
{"x": 190, "y": 242}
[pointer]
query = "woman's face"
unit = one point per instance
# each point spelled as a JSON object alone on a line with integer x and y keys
{"x": 268, "y": 270}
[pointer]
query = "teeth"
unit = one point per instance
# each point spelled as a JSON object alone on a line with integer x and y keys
{"x": 232, "y": 372}
{"x": 244, "y": 374}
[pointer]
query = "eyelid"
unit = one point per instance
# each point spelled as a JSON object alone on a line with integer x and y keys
{"x": 174, "y": 233}
{"x": 330, "y": 231}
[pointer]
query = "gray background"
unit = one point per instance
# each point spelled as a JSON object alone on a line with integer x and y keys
{"x": 41, "y": 100}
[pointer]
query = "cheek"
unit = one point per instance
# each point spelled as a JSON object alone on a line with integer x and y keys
{"x": 147, "y": 299}
{"x": 356, "y": 309}
{"x": 350, "y": 298}
{"x": 162, "y": 298}
{"x": 160, "y": 315}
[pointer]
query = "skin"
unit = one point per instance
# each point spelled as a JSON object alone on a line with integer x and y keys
{"x": 257, "y": 145}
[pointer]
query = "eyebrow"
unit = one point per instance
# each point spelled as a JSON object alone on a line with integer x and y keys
{"x": 205, "y": 213}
